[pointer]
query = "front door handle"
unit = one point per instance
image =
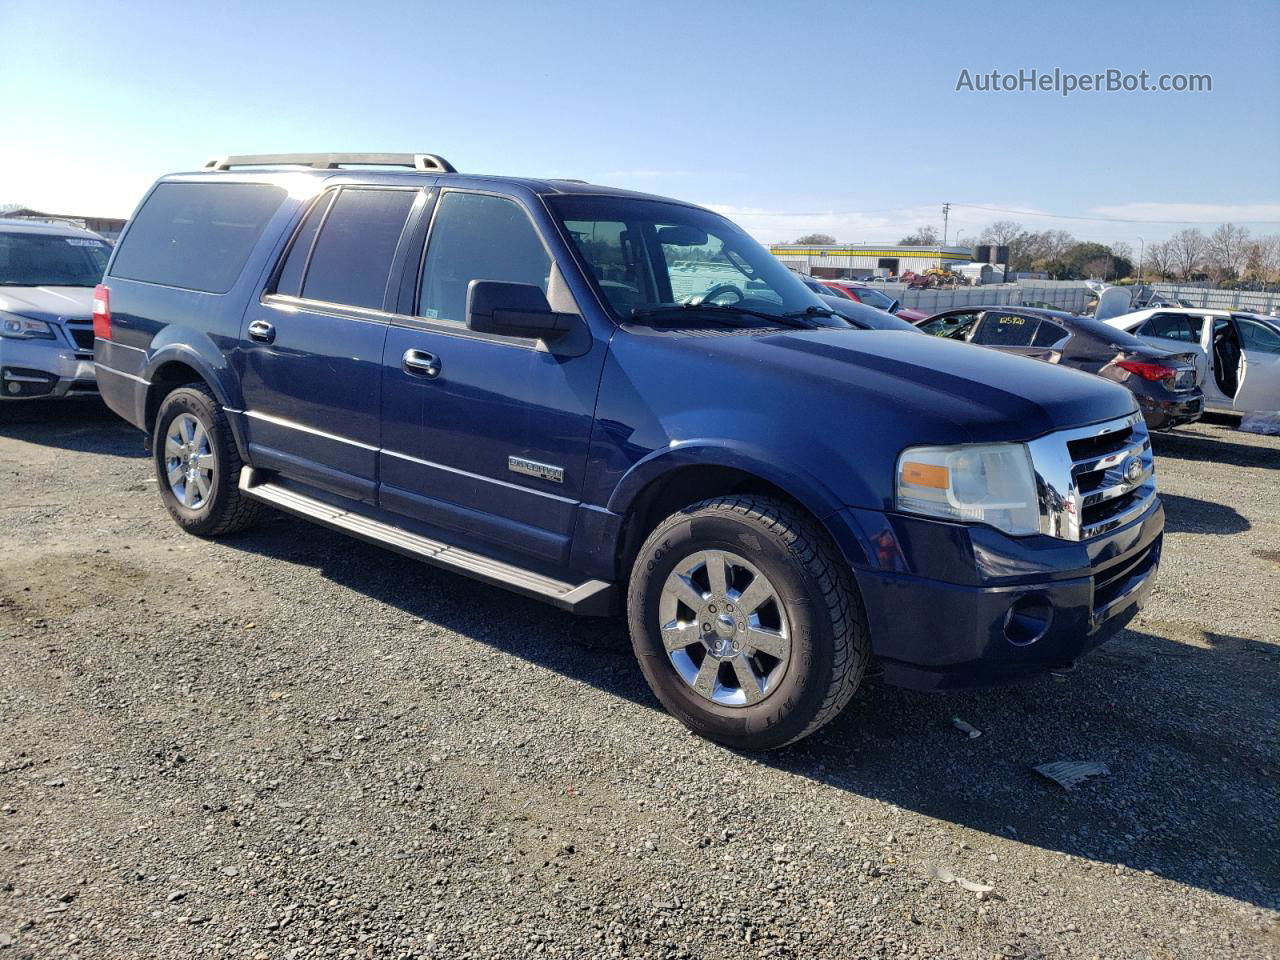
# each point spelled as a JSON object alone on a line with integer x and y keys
{"x": 262, "y": 331}
{"x": 420, "y": 363}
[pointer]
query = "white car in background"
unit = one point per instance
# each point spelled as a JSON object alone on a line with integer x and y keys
{"x": 1237, "y": 354}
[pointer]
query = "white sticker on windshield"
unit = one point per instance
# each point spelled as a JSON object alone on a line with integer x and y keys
{"x": 79, "y": 242}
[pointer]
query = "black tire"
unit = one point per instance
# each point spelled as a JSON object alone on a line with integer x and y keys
{"x": 829, "y": 642}
{"x": 224, "y": 510}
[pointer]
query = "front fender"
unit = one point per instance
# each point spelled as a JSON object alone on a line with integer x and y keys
{"x": 805, "y": 488}
{"x": 799, "y": 484}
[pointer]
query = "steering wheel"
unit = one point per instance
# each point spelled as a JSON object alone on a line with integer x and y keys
{"x": 720, "y": 289}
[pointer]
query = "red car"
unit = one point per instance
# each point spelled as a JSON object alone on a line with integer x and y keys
{"x": 873, "y": 298}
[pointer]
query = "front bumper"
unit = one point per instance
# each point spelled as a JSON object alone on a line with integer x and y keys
{"x": 35, "y": 369}
{"x": 954, "y": 606}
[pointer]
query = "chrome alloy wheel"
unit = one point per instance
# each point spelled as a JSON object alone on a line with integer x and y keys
{"x": 724, "y": 628}
{"x": 188, "y": 461}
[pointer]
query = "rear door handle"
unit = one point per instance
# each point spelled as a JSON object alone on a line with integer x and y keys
{"x": 262, "y": 331}
{"x": 419, "y": 363}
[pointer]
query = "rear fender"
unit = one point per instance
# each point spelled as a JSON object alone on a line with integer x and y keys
{"x": 197, "y": 351}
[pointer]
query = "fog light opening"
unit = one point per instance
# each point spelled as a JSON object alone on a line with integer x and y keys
{"x": 1027, "y": 620}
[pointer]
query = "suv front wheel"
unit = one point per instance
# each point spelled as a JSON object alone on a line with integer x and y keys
{"x": 746, "y": 622}
{"x": 198, "y": 465}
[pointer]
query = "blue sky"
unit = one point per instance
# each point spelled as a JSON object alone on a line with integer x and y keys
{"x": 839, "y": 117}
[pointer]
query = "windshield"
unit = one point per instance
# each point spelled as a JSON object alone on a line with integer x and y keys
{"x": 44, "y": 260}
{"x": 647, "y": 255}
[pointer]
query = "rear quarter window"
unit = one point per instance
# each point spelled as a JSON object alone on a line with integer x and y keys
{"x": 197, "y": 236}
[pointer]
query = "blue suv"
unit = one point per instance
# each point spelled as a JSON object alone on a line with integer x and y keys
{"x": 613, "y": 401}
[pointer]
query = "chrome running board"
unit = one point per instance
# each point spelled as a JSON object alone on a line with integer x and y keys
{"x": 591, "y": 598}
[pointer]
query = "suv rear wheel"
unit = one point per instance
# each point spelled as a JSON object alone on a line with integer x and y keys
{"x": 198, "y": 465}
{"x": 746, "y": 623}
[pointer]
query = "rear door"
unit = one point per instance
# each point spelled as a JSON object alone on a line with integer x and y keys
{"x": 311, "y": 363}
{"x": 1259, "y": 390}
{"x": 486, "y": 435}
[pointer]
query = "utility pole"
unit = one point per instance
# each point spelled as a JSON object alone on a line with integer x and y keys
{"x": 946, "y": 215}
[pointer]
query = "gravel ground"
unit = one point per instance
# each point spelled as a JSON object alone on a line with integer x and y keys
{"x": 289, "y": 744}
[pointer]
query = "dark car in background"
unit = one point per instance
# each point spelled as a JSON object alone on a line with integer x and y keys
{"x": 864, "y": 317}
{"x": 1163, "y": 382}
{"x": 861, "y": 293}
{"x": 847, "y": 291}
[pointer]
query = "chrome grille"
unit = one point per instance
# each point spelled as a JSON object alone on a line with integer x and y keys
{"x": 1094, "y": 479}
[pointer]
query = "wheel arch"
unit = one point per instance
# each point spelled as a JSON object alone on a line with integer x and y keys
{"x": 177, "y": 367}
{"x": 675, "y": 478}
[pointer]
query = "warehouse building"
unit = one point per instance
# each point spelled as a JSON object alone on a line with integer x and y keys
{"x": 856, "y": 261}
{"x": 108, "y": 227}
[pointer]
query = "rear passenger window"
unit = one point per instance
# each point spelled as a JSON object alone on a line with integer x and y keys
{"x": 478, "y": 237}
{"x": 196, "y": 235}
{"x": 290, "y": 282}
{"x": 1006, "y": 330}
{"x": 352, "y": 257}
{"x": 1049, "y": 334}
{"x": 1170, "y": 326}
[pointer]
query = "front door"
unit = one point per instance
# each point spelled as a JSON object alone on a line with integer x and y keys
{"x": 1259, "y": 389}
{"x": 312, "y": 347}
{"x": 484, "y": 435}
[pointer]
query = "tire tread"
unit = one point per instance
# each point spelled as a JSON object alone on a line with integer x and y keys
{"x": 236, "y": 512}
{"x": 812, "y": 548}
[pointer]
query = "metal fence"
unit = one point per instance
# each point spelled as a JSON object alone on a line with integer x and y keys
{"x": 1069, "y": 295}
{"x": 1247, "y": 300}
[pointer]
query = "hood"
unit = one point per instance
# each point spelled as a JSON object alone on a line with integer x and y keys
{"x": 48, "y": 303}
{"x": 989, "y": 395}
{"x": 908, "y": 313}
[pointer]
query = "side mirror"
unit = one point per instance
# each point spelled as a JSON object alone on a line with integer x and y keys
{"x": 514, "y": 310}
{"x": 895, "y": 306}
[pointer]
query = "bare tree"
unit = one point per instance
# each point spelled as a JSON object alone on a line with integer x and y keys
{"x": 821, "y": 239}
{"x": 1188, "y": 248}
{"x": 1270, "y": 257}
{"x": 923, "y": 237}
{"x": 1055, "y": 243}
{"x": 1003, "y": 233}
{"x": 1159, "y": 260}
{"x": 1227, "y": 248}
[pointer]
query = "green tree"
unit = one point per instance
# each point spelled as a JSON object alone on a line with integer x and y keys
{"x": 820, "y": 239}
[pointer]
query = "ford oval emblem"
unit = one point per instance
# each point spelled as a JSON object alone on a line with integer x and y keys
{"x": 1133, "y": 469}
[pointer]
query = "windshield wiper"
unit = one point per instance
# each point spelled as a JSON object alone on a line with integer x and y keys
{"x": 812, "y": 312}
{"x": 723, "y": 312}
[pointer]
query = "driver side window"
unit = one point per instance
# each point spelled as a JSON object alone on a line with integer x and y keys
{"x": 1257, "y": 336}
{"x": 476, "y": 236}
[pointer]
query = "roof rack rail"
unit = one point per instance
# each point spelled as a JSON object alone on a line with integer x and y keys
{"x": 428, "y": 162}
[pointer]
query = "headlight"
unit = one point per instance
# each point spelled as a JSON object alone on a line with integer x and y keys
{"x": 24, "y": 328}
{"x": 992, "y": 483}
